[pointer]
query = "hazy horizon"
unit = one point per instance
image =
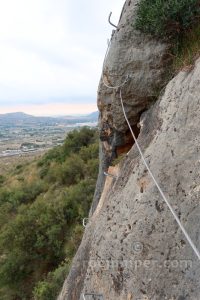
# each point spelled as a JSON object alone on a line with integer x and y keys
{"x": 52, "y": 109}
{"x": 51, "y": 54}
{"x": 50, "y": 115}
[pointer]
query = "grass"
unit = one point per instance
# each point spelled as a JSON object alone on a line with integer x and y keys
{"x": 176, "y": 22}
{"x": 166, "y": 18}
{"x": 188, "y": 50}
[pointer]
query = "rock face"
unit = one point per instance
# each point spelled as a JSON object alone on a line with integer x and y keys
{"x": 132, "y": 247}
{"x": 145, "y": 60}
{"x": 136, "y": 250}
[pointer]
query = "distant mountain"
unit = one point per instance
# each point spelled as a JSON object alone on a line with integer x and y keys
{"x": 94, "y": 115}
{"x": 15, "y": 115}
{"x": 20, "y": 118}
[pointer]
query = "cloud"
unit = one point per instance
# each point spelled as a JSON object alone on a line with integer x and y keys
{"x": 52, "y": 51}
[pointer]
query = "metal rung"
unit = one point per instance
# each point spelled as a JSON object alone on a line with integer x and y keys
{"x": 109, "y": 175}
{"x": 109, "y": 20}
{"x": 85, "y": 221}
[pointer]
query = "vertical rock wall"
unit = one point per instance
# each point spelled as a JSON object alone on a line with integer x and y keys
{"x": 144, "y": 60}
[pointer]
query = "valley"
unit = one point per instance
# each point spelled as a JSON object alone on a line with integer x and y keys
{"x": 22, "y": 134}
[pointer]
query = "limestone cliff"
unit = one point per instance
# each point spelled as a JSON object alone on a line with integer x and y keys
{"x": 144, "y": 60}
{"x": 132, "y": 248}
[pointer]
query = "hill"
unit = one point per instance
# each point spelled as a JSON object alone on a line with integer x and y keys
{"x": 42, "y": 204}
{"x": 25, "y": 119}
{"x": 14, "y": 116}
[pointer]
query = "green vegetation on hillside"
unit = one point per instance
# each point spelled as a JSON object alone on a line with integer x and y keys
{"x": 166, "y": 18}
{"x": 42, "y": 205}
{"x": 178, "y": 22}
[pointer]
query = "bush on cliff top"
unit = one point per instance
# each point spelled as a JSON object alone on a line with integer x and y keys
{"x": 166, "y": 18}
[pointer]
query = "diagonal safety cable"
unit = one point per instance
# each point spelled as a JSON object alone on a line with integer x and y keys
{"x": 119, "y": 87}
{"x": 157, "y": 185}
{"x": 107, "y": 50}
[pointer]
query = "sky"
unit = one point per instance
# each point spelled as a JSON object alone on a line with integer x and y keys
{"x": 51, "y": 54}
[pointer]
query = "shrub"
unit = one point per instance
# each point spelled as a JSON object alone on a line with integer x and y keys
{"x": 53, "y": 154}
{"x": 33, "y": 244}
{"x": 80, "y": 195}
{"x": 166, "y": 18}
{"x": 78, "y": 139}
{"x": 72, "y": 170}
{"x": 23, "y": 194}
{"x": 50, "y": 288}
{"x": 92, "y": 168}
{"x": 74, "y": 141}
{"x": 53, "y": 174}
{"x": 37, "y": 240}
{"x": 18, "y": 169}
{"x": 43, "y": 171}
{"x": 90, "y": 152}
{"x": 41, "y": 219}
